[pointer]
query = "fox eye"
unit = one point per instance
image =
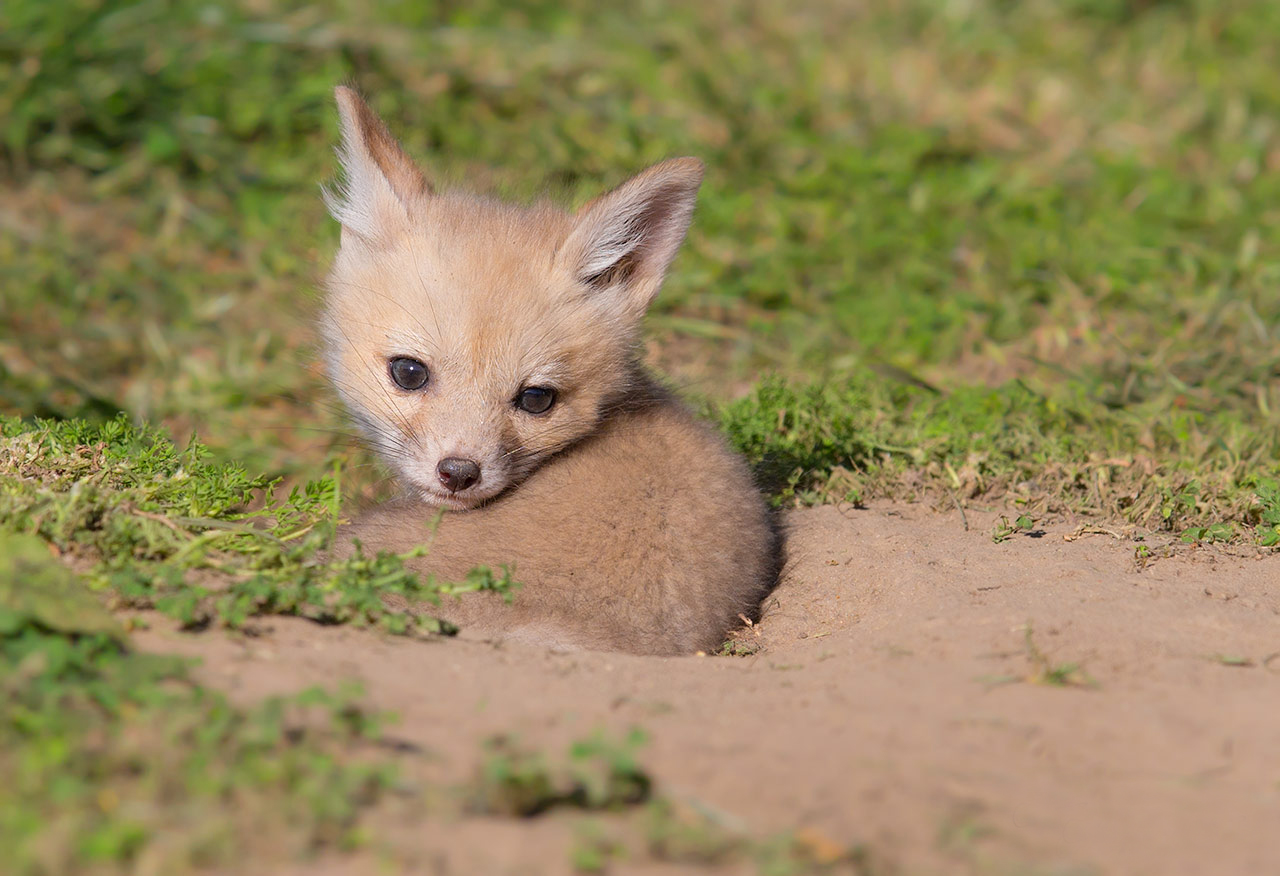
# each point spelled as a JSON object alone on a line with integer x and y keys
{"x": 536, "y": 399}
{"x": 407, "y": 373}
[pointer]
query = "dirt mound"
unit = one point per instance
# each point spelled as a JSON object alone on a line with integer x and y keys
{"x": 952, "y": 703}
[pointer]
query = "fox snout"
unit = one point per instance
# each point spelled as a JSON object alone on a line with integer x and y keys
{"x": 456, "y": 473}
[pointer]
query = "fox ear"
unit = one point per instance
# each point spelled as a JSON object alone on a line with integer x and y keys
{"x": 380, "y": 182}
{"x": 623, "y": 241}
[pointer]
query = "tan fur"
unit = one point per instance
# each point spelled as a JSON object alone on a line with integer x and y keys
{"x": 630, "y": 525}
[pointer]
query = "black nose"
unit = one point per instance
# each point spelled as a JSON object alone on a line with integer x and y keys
{"x": 457, "y": 474}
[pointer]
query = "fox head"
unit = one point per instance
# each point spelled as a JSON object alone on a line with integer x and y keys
{"x": 471, "y": 339}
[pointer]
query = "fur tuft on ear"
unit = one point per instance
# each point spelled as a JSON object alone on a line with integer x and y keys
{"x": 380, "y": 182}
{"x": 623, "y": 241}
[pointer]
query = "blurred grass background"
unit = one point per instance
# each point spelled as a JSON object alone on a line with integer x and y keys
{"x": 1076, "y": 199}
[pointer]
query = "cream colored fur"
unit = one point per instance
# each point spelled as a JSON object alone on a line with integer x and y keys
{"x": 631, "y": 526}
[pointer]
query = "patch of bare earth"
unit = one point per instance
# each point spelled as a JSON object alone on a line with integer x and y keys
{"x": 895, "y": 703}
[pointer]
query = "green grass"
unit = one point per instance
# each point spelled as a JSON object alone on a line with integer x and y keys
{"x": 112, "y": 760}
{"x": 1079, "y": 197}
{"x": 863, "y": 437}
{"x": 118, "y": 760}
{"x": 169, "y": 529}
{"x": 1020, "y": 254}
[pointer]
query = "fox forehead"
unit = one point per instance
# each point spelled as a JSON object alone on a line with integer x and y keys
{"x": 490, "y": 305}
{"x": 476, "y": 243}
{"x": 462, "y": 217}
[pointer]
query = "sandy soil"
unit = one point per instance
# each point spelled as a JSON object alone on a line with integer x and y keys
{"x": 893, "y": 703}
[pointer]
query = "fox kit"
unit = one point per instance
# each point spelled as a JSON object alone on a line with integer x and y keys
{"x": 489, "y": 353}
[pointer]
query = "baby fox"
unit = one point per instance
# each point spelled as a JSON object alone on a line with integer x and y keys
{"x": 489, "y": 353}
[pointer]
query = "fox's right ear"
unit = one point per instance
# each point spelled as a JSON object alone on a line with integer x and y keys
{"x": 380, "y": 182}
{"x": 623, "y": 241}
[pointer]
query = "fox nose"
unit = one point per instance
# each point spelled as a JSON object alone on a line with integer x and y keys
{"x": 457, "y": 474}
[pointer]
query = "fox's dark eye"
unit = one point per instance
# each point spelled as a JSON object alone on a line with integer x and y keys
{"x": 408, "y": 373}
{"x": 536, "y": 399}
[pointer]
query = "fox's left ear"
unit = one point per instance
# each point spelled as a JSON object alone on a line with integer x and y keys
{"x": 381, "y": 183}
{"x": 623, "y": 241}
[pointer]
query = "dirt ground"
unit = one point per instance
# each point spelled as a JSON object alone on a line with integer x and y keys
{"x": 895, "y": 702}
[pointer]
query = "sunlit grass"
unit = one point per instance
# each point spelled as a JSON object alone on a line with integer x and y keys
{"x": 1080, "y": 195}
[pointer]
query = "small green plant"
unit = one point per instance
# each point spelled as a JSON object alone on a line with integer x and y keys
{"x": 1214, "y": 532}
{"x": 741, "y": 647}
{"x": 605, "y": 772}
{"x": 1268, "y": 495}
{"x": 1177, "y": 504}
{"x": 599, "y": 773}
{"x": 593, "y": 849}
{"x": 1002, "y": 530}
{"x": 1044, "y": 671}
{"x": 514, "y": 781}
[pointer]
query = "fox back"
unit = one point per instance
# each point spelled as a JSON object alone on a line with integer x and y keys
{"x": 488, "y": 351}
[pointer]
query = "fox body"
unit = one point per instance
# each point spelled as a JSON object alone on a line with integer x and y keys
{"x": 489, "y": 353}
